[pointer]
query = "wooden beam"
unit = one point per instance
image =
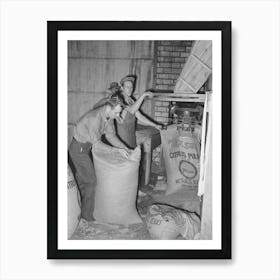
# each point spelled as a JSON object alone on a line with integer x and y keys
{"x": 199, "y": 99}
{"x": 185, "y": 95}
{"x": 188, "y": 84}
{"x": 183, "y": 99}
{"x": 200, "y": 61}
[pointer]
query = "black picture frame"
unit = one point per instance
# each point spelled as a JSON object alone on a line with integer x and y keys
{"x": 53, "y": 27}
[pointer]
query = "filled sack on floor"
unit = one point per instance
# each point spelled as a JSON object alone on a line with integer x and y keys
{"x": 116, "y": 190}
{"x": 181, "y": 152}
{"x": 73, "y": 203}
{"x": 183, "y": 199}
{"x": 166, "y": 222}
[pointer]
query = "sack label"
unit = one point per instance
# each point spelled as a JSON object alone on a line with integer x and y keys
{"x": 187, "y": 169}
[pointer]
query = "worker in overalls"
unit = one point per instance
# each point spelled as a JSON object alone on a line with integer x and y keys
{"x": 126, "y": 126}
{"x": 87, "y": 134}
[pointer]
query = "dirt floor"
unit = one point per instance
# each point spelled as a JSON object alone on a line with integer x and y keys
{"x": 95, "y": 230}
{"x": 148, "y": 195}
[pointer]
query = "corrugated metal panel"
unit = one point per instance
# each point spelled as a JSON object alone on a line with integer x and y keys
{"x": 93, "y": 65}
{"x": 111, "y": 49}
{"x": 80, "y": 103}
{"x": 95, "y": 75}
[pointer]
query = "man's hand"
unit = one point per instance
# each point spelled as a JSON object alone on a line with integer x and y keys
{"x": 159, "y": 126}
{"x": 148, "y": 94}
{"x": 119, "y": 120}
{"x": 124, "y": 153}
{"x": 129, "y": 101}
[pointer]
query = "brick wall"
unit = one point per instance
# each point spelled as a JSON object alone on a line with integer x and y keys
{"x": 170, "y": 58}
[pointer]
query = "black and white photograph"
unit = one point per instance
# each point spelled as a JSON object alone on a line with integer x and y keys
{"x": 139, "y": 140}
{"x": 142, "y": 177}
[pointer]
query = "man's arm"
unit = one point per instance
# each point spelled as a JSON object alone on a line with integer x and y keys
{"x": 95, "y": 134}
{"x": 111, "y": 136}
{"x": 137, "y": 104}
{"x": 99, "y": 145}
{"x": 146, "y": 121}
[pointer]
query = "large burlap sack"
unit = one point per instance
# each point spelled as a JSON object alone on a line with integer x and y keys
{"x": 116, "y": 190}
{"x": 166, "y": 222}
{"x": 181, "y": 158}
{"x": 184, "y": 199}
{"x": 74, "y": 203}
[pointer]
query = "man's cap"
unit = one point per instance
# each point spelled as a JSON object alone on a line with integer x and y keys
{"x": 114, "y": 85}
{"x": 130, "y": 78}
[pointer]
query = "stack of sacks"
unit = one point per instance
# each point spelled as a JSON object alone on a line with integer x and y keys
{"x": 116, "y": 190}
{"x": 74, "y": 203}
{"x": 166, "y": 222}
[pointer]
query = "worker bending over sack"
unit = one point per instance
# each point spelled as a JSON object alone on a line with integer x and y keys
{"x": 87, "y": 134}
